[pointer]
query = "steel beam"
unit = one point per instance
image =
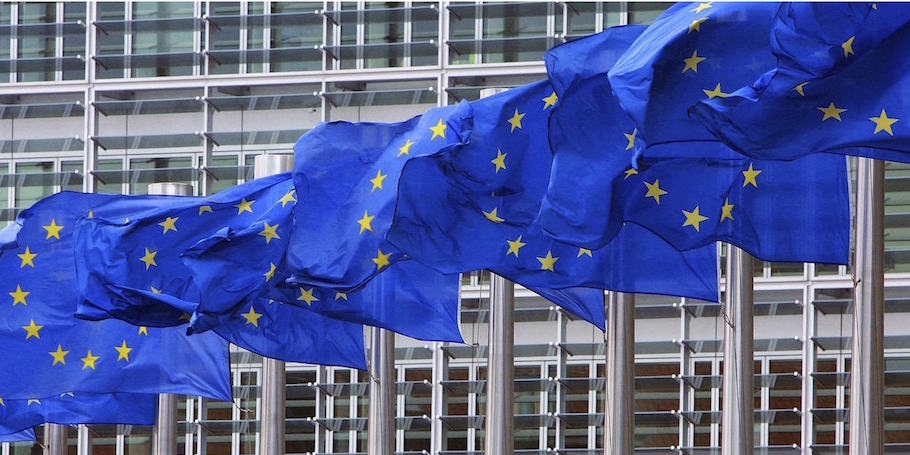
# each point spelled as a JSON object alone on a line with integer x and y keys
{"x": 619, "y": 421}
{"x": 736, "y": 417}
{"x": 381, "y": 421}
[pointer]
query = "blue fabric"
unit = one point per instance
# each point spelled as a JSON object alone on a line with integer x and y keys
{"x": 727, "y": 47}
{"x": 117, "y": 283}
{"x": 43, "y": 290}
{"x": 840, "y": 86}
{"x": 445, "y": 215}
{"x": 19, "y": 436}
{"x": 348, "y": 172}
{"x": 19, "y": 416}
{"x": 777, "y": 217}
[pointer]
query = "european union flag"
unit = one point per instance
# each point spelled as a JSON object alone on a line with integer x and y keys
{"x": 19, "y": 436}
{"x": 693, "y": 51}
{"x": 348, "y": 175}
{"x": 77, "y": 408}
{"x": 475, "y": 206}
{"x": 49, "y": 351}
{"x": 757, "y": 205}
{"x": 136, "y": 271}
{"x": 840, "y": 86}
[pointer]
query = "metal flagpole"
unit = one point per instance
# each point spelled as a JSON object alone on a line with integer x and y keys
{"x": 381, "y": 422}
{"x": 274, "y": 380}
{"x": 737, "y": 377}
{"x": 498, "y": 429}
{"x": 867, "y": 365}
{"x": 164, "y": 433}
{"x": 54, "y": 439}
{"x": 619, "y": 419}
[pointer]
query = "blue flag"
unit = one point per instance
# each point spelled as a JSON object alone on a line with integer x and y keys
{"x": 52, "y": 351}
{"x": 77, "y": 408}
{"x": 19, "y": 436}
{"x": 693, "y": 51}
{"x": 474, "y": 207}
{"x": 348, "y": 175}
{"x": 756, "y": 205}
{"x": 407, "y": 298}
{"x": 840, "y": 85}
{"x": 136, "y": 271}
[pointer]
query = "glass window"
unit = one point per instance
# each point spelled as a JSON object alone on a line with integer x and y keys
{"x": 33, "y": 189}
{"x": 109, "y": 42}
{"x": 155, "y": 170}
{"x": 37, "y": 46}
{"x": 164, "y": 41}
{"x": 462, "y": 17}
{"x": 515, "y": 32}
{"x": 897, "y": 212}
{"x": 646, "y": 12}
{"x": 304, "y": 31}
{"x": 71, "y": 179}
{"x": 74, "y": 43}
{"x": 581, "y": 19}
{"x": 137, "y": 440}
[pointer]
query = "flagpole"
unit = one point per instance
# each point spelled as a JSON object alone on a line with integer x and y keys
{"x": 381, "y": 421}
{"x": 619, "y": 418}
{"x": 54, "y": 439}
{"x": 737, "y": 419}
{"x": 867, "y": 364}
{"x": 164, "y": 433}
{"x": 274, "y": 380}
{"x": 498, "y": 429}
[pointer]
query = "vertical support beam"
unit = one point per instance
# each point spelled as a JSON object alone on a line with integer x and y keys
{"x": 54, "y": 439}
{"x": 440, "y": 398}
{"x": 868, "y": 361}
{"x": 619, "y": 421}
{"x": 274, "y": 380}
{"x": 498, "y": 432}
{"x": 562, "y": 357}
{"x": 381, "y": 421}
{"x": 810, "y": 361}
{"x": 736, "y": 419}
{"x": 164, "y": 433}
{"x": 84, "y": 444}
{"x": 686, "y": 395}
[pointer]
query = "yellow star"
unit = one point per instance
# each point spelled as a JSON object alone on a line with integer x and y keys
{"x": 2, "y": 403}
{"x": 306, "y": 295}
{"x": 717, "y": 92}
{"x": 89, "y": 360}
{"x": 654, "y": 190}
{"x": 492, "y": 216}
{"x": 693, "y": 218}
{"x": 377, "y": 181}
{"x": 515, "y": 121}
{"x": 252, "y": 317}
{"x": 59, "y": 355}
{"x": 701, "y": 7}
{"x": 244, "y": 206}
{"x": 31, "y": 402}
{"x": 271, "y": 272}
{"x": 831, "y": 111}
{"x": 749, "y": 176}
{"x": 155, "y": 290}
{"x": 692, "y": 62}
{"x": 143, "y": 330}
{"x": 799, "y": 89}
{"x": 19, "y": 296}
{"x": 91, "y": 214}
{"x": 53, "y": 230}
{"x": 287, "y": 198}
{"x": 341, "y": 295}
{"x": 500, "y": 160}
{"x": 727, "y": 210}
{"x": 549, "y": 101}
{"x": 149, "y": 258}
{"x": 584, "y": 252}
{"x": 169, "y": 224}
{"x": 405, "y": 149}
{"x": 439, "y": 130}
{"x": 31, "y": 330}
{"x": 848, "y": 46}
{"x": 123, "y": 352}
{"x": 883, "y": 123}
{"x": 631, "y": 138}
{"x": 381, "y": 260}
{"x": 365, "y": 222}
{"x": 185, "y": 317}
{"x": 514, "y": 246}
{"x": 630, "y": 172}
{"x": 205, "y": 209}
{"x": 269, "y": 232}
{"x": 547, "y": 263}
{"x": 695, "y": 26}
{"x": 28, "y": 258}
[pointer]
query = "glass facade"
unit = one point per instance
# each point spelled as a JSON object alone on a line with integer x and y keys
{"x": 112, "y": 96}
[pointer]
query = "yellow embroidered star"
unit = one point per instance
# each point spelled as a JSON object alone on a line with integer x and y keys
{"x": 205, "y": 209}
{"x": 405, "y": 149}
{"x": 654, "y": 190}
{"x": 28, "y": 258}
{"x": 59, "y": 355}
{"x": 883, "y": 123}
{"x": 848, "y": 46}
{"x": 377, "y": 181}
{"x": 53, "y": 230}
{"x": 269, "y": 232}
{"x": 726, "y": 212}
{"x": 19, "y": 296}
{"x": 287, "y": 198}
{"x": 306, "y": 295}
{"x": 749, "y": 176}
{"x": 631, "y": 138}
{"x": 695, "y": 26}
{"x": 799, "y": 89}
{"x": 717, "y": 92}
{"x": 547, "y": 262}
{"x": 31, "y": 330}
{"x": 584, "y": 252}
{"x": 123, "y": 351}
{"x": 514, "y": 246}
{"x": 692, "y": 62}
{"x": 693, "y": 218}
{"x": 89, "y": 360}
{"x": 549, "y": 101}
{"x": 169, "y": 224}
{"x": 499, "y": 161}
{"x": 244, "y": 206}
{"x": 515, "y": 120}
{"x": 439, "y": 130}
{"x": 149, "y": 258}
{"x": 365, "y": 222}
{"x": 341, "y": 296}
{"x": 381, "y": 260}
{"x": 630, "y": 172}
{"x": 831, "y": 111}
{"x": 252, "y": 317}
{"x": 701, "y": 7}
{"x": 492, "y": 216}
{"x": 271, "y": 272}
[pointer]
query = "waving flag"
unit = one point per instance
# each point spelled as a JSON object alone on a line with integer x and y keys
{"x": 135, "y": 271}
{"x": 70, "y": 408}
{"x": 50, "y": 351}
{"x": 840, "y": 85}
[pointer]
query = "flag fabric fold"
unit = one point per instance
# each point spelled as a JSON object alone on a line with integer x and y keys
{"x": 20, "y": 415}
{"x": 50, "y": 350}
